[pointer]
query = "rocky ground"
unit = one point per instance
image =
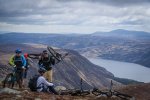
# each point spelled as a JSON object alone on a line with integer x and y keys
{"x": 11, "y": 94}
{"x": 140, "y": 92}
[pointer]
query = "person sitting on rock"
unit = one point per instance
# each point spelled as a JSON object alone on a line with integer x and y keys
{"x": 43, "y": 85}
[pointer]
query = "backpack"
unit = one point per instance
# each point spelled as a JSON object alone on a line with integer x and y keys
{"x": 33, "y": 83}
{"x": 18, "y": 61}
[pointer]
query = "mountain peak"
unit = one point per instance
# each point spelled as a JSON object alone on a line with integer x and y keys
{"x": 120, "y": 30}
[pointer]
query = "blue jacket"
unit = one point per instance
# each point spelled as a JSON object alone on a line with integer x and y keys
{"x": 13, "y": 60}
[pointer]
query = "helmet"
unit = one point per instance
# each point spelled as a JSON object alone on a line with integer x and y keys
{"x": 18, "y": 51}
{"x": 42, "y": 70}
{"x": 26, "y": 55}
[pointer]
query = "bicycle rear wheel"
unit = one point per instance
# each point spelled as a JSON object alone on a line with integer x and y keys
{"x": 123, "y": 96}
{"x": 85, "y": 92}
{"x": 79, "y": 92}
{"x": 56, "y": 55}
{"x": 9, "y": 80}
{"x": 96, "y": 92}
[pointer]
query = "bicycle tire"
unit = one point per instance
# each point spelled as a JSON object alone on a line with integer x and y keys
{"x": 122, "y": 96}
{"x": 85, "y": 92}
{"x": 54, "y": 53}
{"x": 98, "y": 92}
{"x": 75, "y": 92}
{"x": 9, "y": 80}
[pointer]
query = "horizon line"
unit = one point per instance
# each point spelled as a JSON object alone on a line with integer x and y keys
{"x": 61, "y": 33}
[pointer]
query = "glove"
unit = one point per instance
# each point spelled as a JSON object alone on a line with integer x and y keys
{"x": 23, "y": 67}
{"x": 53, "y": 85}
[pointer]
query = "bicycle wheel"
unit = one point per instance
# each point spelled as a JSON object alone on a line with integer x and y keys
{"x": 65, "y": 92}
{"x": 123, "y": 96}
{"x": 54, "y": 53}
{"x": 85, "y": 92}
{"x": 9, "y": 80}
{"x": 78, "y": 92}
{"x": 96, "y": 92}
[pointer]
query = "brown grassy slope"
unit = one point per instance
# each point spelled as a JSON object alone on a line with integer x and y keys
{"x": 140, "y": 92}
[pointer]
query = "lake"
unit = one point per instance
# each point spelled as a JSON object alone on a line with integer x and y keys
{"x": 124, "y": 69}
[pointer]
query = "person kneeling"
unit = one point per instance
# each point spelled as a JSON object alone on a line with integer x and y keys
{"x": 43, "y": 85}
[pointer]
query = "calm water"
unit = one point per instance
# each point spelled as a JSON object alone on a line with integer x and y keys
{"x": 124, "y": 69}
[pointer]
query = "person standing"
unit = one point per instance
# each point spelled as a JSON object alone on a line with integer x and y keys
{"x": 18, "y": 61}
{"x": 46, "y": 61}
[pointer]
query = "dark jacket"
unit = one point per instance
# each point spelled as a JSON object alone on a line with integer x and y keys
{"x": 46, "y": 62}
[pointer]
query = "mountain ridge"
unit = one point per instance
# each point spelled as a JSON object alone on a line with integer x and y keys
{"x": 126, "y": 48}
{"x": 124, "y": 33}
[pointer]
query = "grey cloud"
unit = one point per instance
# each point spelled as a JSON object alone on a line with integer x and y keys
{"x": 17, "y": 20}
{"x": 19, "y": 11}
{"x": 127, "y": 22}
{"x": 123, "y": 2}
{"x": 112, "y": 2}
{"x": 68, "y": 12}
{"x": 13, "y": 8}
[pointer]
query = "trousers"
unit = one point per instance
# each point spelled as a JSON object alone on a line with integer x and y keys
{"x": 48, "y": 75}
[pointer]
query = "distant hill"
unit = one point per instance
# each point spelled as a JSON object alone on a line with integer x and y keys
{"x": 121, "y": 45}
{"x": 58, "y": 39}
{"x": 124, "y": 34}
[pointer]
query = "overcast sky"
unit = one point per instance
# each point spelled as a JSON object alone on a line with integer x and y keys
{"x": 74, "y": 16}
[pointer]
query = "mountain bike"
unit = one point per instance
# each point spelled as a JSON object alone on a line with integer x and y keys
{"x": 109, "y": 93}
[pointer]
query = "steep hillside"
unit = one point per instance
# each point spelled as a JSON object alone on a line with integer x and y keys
{"x": 66, "y": 73}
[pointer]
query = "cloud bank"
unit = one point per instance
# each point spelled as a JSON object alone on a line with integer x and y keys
{"x": 82, "y": 16}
